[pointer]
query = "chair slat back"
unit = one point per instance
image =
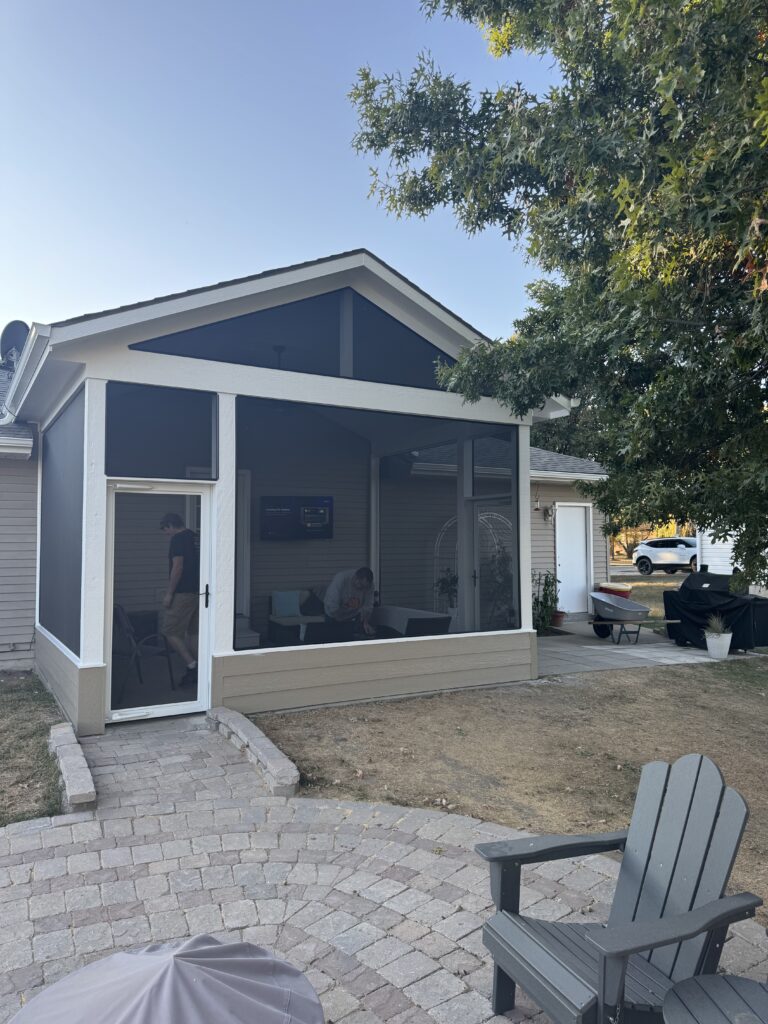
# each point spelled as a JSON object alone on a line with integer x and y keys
{"x": 685, "y": 831}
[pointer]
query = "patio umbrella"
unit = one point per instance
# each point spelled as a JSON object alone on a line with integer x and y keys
{"x": 194, "y": 982}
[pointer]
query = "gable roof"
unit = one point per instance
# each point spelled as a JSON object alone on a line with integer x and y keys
{"x": 274, "y": 272}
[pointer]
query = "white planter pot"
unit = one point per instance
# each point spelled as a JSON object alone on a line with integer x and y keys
{"x": 718, "y": 645}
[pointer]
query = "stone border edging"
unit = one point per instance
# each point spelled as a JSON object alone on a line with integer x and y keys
{"x": 79, "y": 791}
{"x": 281, "y": 773}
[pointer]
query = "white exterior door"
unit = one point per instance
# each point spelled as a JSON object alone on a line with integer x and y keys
{"x": 574, "y": 557}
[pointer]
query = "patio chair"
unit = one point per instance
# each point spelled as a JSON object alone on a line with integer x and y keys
{"x": 669, "y": 917}
{"x": 135, "y": 651}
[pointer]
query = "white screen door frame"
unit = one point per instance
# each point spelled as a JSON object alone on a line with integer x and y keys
{"x": 159, "y": 487}
{"x": 561, "y": 544}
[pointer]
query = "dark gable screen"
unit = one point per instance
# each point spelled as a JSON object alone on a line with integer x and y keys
{"x": 61, "y": 524}
{"x": 161, "y": 433}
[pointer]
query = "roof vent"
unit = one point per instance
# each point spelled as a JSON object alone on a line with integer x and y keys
{"x": 12, "y": 341}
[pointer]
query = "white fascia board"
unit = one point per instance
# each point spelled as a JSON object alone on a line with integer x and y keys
{"x": 16, "y": 447}
{"x": 542, "y": 476}
{"x": 31, "y": 358}
{"x": 555, "y": 408}
{"x": 219, "y": 296}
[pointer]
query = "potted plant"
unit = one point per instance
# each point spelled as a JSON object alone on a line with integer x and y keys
{"x": 447, "y": 587}
{"x": 718, "y": 638}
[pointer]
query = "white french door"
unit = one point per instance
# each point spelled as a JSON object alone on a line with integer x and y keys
{"x": 147, "y": 677}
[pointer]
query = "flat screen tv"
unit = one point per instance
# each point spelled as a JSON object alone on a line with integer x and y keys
{"x": 289, "y": 517}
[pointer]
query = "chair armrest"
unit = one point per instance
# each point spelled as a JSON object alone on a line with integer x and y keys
{"x": 538, "y": 849}
{"x": 636, "y": 937}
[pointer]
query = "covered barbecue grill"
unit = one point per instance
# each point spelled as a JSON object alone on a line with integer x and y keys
{"x": 706, "y": 593}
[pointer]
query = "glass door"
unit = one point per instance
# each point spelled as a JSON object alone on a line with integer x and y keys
{"x": 158, "y": 612}
{"x": 496, "y": 574}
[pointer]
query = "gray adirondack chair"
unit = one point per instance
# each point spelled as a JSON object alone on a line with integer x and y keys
{"x": 668, "y": 920}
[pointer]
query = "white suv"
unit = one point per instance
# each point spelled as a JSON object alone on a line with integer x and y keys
{"x": 667, "y": 553}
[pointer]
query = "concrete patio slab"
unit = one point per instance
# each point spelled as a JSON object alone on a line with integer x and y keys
{"x": 381, "y": 906}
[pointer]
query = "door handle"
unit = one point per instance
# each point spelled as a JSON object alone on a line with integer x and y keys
{"x": 206, "y": 594}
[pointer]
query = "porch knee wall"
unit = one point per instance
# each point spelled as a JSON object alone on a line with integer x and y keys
{"x": 79, "y": 690}
{"x": 292, "y": 678}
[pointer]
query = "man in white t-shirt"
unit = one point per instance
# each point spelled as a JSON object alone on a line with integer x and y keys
{"x": 349, "y": 600}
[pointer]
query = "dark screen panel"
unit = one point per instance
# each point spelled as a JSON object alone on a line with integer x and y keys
{"x": 388, "y": 352}
{"x": 299, "y": 336}
{"x": 165, "y": 433}
{"x": 61, "y": 524}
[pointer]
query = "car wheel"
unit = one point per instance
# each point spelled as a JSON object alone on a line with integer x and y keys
{"x": 644, "y": 566}
{"x": 670, "y": 572}
{"x": 693, "y": 563}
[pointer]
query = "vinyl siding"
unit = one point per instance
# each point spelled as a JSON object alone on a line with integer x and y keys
{"x": 141, "y": 550}
{"x": 717, "y": 555}
{"x": 18, "y": 561}
{"x": 271, "y": 680}
{"x": 543, "y": 531}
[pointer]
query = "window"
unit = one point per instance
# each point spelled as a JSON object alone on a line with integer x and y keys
{"x": 162, "y": 433}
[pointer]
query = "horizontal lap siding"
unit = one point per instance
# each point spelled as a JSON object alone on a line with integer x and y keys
{"x": 299, "y": 678}
{"x": 18, "y": 561}
{"x": 543, "y": 531}
{"x": 141, "y": 549}
{"x": 717, "y": 555}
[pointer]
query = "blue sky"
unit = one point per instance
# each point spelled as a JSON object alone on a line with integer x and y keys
{"x": 156, "y": 145}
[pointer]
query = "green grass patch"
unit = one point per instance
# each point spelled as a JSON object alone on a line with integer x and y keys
{"x": 30, "y": 776}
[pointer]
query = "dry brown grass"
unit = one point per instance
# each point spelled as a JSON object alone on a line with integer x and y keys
{"x": 556, "y": 756}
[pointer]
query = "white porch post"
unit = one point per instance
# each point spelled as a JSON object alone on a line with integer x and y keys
{"x": 524, "y": 519}
{"x": 465, "y": 537}
{"x": 223, "y": 531}
{"x": 93, "y": 582}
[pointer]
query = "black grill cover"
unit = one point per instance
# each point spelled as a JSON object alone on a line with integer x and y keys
{"x": 707, "y": 593}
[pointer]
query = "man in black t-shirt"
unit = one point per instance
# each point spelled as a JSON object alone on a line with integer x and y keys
{"x": 181, "y": 600}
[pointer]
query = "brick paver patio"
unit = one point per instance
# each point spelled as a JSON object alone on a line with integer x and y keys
{"x": 380, "y": 905}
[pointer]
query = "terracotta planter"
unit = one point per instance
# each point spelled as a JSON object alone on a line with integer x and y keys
{"x": 558, "y": 618}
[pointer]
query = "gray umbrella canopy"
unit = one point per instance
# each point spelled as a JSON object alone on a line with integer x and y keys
{"x": 197, "y": 981}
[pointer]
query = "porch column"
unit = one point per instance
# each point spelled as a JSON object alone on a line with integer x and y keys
{"x": 93, "y": 598}
{"x": 223, "y": 530}
{"x": 524, "y": 522}
{"x": 374, "y": 542}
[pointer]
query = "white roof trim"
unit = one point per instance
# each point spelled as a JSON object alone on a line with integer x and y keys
{"x": 16, "y": 447}
{"x": 542, "y": 475}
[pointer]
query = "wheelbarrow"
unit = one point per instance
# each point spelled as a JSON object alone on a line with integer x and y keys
{"x": 611, "y": 611}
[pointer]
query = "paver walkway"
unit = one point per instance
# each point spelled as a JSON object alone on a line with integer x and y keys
{"x": 381, "y": 906}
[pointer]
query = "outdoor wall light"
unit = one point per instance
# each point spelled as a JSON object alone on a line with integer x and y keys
{"x": 547, "y": 512}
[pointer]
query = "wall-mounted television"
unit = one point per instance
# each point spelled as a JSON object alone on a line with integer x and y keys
{"x": 288, "y": 517}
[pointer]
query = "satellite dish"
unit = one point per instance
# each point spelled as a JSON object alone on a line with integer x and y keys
{"x": 13, "y": 338}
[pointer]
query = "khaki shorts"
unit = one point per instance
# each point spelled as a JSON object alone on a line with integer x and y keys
{"x": 180, "y": 620}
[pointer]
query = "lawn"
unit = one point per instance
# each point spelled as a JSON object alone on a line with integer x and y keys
{"x": 30, "y": 778}
{"x": 556, "y": 756}
{"x": 649, "y": 590}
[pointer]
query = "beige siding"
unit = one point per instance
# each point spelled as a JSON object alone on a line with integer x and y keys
{"x": 18, "y": 560}
{"x": 141, "y": 549}
{"x": 543, "y": 531}
{"x": 338, "y": 673}
{"x": 304, "y": 454}
{"x": 81, "y": 692}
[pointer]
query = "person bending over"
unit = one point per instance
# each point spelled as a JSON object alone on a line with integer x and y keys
{"x": 349, "y": 602}
{"x": 182, "y": 597}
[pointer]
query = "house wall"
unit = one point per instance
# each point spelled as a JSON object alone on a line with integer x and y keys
{"x": 141, "y": 550}
{"x": 717, "y": 555}
{"x": 543, "y": 531}
{"x": 302, "y": 453}
{"x": 18, "y": 560}
{"x": 272, "y": 680}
